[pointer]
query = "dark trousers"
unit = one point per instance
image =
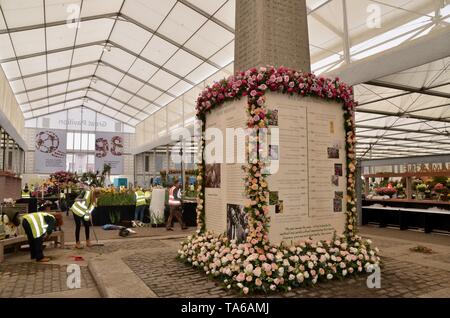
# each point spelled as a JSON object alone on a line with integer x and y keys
{"x": 78, "y": 221}
{"x": 175, "y": 212}
{"x": 35, "y": 243}
{"x": 139, "y": 213}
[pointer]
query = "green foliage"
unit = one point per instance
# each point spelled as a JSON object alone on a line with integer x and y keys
{"x": 114, "y": 199}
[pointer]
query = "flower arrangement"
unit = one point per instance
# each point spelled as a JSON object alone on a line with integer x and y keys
{"x": 63, "y": 178}
{"x": 421, "y": 187}
{"x": 439, "y": 188}
{"x": 250, "y": 269}
{"x": 390, "y": 191}
{"x": 257, "y": 264}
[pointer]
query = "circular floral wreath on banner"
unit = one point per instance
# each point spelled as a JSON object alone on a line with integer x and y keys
{"x": 257, "y": 264}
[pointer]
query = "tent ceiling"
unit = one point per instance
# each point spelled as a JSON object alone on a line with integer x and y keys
{"x": 129, "y": 58}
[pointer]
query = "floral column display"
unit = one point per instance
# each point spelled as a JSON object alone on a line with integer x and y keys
{"x": 259, "y": 265}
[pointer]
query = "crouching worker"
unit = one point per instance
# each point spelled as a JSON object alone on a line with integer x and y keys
{"x": 38, "y": 226}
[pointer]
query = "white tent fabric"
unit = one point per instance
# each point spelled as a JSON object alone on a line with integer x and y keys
{"x": 129, "y": 58}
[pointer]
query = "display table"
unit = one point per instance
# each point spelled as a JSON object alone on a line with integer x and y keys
{"x": 189, "y": 212}
{"x": 101, "y": 214}
{"x": 427, "y": 214}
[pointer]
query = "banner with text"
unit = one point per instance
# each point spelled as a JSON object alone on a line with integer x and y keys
{"x": 109, "y": 150}
{"x": 50, "y": 154}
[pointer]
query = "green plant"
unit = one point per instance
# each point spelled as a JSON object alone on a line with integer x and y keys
{"x": 115, "y": 199}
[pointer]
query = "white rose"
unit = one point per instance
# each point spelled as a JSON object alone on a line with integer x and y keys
{"x": 329, "y": 276}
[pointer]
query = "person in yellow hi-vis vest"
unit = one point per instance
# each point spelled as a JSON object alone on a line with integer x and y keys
{"x": 140, "y": 204}
{"x": 26, "y": 194}
{"x": 82, "y": 209}
{"x": 38, "y": 226}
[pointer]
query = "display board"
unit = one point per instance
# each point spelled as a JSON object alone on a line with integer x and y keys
{"x": 307, "y": 175}
{"x": 224, "y": 184}
{"x": 50, "y": 151}
{"x": 109, "y": 150}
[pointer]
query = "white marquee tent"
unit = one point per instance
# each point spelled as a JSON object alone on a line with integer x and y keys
{"x": 134, "y": 59}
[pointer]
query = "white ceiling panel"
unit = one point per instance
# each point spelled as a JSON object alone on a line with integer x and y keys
{"x": 97, "y": 96}
{"x": 209, "y": 6}
{"x": 158, "y": 50}
{"x": 142, "y": 70}
{"x": 130, "y": 84}
{"x": 149, "y": 92}
{"x": 35, "y": 81}
{"x": 180, "y": 88}
{"x": 94, "y": 30}
{"x": 28, "y": 42}
{"x": 60, "y": 59}
{"x": 60, "y": 10}
{"x": 60, "y": 36}
{"x": 96, "y": 7}
{"x": 118, "y": 58}
{"x": 181, "y": 23}
{"x": 32, "y": 65}
{"x": 6, "y": 49}
{"x": 122, "y": 95}
{"x": 225, "y": 56}
{"x": 81, "y": 71}
{"x": 151, "y": 108}
{"x": 163, "y": 80}
{"x": 227, "y": 13}
{"x": 109, "y": 74}
{"x": 130, "y": 36}
{"x": 138, "y": 102}
{"x": 182, "y": 63}
{"x": 87, "y": 54}
{"x": 11, "y": 69}
{"x": 202, "y": 72}
{"x": 129, "y": 110}
{"x": 19, "y": 13}
{"x": 209, "y": 39}
{"x": 148, "y": 12}
{"x": 164, "y": 99}
{"x": 103, "y": 87}
{"x": 40, "y": 93}
{"x": 17, "y": 86}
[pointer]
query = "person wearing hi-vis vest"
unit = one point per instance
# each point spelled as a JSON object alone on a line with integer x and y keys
{"x": 26, "y": 194}
{"x": 140, "y": 204}
{"x": 38, "y": 226}
{"x": 175, "y": 206}
{"x": 82, "y": 209}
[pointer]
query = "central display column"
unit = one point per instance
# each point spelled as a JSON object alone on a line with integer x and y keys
{"x": 271, "y": 32}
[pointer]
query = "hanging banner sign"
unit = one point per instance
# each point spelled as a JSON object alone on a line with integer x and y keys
{"x": 50, "y": 154}
{"x": 109, "y": 149}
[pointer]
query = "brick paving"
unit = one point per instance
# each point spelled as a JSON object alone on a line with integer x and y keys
{"x": 167, "y": 277}
{"x": 30, "y": 278}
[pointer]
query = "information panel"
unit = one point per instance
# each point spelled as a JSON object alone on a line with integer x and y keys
{"x": 50, "y": 151}
{"x": 307, "y": 161}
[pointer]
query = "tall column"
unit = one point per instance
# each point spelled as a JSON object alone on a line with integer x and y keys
{"x": 271, "y": 32}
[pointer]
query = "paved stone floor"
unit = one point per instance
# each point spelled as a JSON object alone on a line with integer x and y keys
{"x": 167, "y": 277}
{"x": 30, "y": 278}
{"x": 149, "y": 267}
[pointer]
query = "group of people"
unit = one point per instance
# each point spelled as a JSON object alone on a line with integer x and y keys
{"x": 38, "y": 226}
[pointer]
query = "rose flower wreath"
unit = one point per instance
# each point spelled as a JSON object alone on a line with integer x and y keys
{"x": 258, "y": 265}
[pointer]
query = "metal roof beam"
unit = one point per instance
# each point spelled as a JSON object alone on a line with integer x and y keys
{"x": 58, "y": 50}
{"x": 58, "y": 23}
{"x": 403, "y": 115}
{"x": 403, "y": 130}
{"x": 411, "y": 89}
{"x": 403, "y": 139}
{"x": 405, "y": 160}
